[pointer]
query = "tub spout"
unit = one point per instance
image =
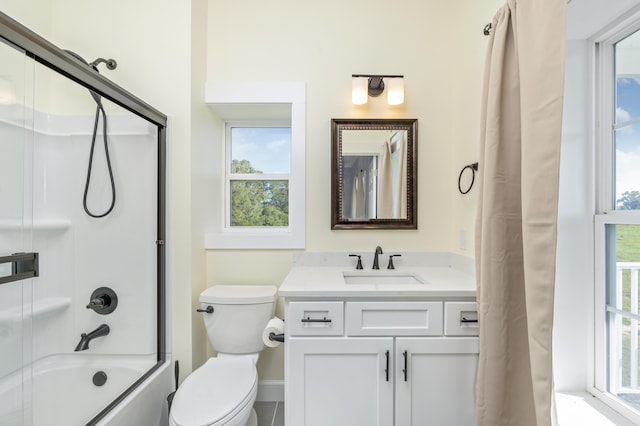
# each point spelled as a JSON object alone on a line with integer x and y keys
{"x": 85, "y": 338}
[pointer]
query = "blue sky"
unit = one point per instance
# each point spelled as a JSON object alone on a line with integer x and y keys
{"x": 628, "y": 137}
{"x": 267, "y": 148}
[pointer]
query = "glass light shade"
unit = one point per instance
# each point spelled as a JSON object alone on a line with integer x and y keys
{"x": 395, "y": 91}
{"x": 359, "y": 90}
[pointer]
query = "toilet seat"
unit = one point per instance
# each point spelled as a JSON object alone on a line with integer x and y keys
{"x": 216, "y": 393}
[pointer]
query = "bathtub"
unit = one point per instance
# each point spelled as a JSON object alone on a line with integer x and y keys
{"x": 62, "y": 391}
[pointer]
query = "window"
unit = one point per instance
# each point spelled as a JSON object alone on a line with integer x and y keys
{"x": 257, "y": 176}
{"x": 617, "y": 223}
{"x": 626, "y": 175}
{"x": 261, "y": 196}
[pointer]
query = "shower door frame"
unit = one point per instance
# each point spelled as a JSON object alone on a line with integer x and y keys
{"x": 49, "y": 55}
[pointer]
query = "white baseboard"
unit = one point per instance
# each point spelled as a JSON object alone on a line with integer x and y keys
{"x": 270, "y": 391}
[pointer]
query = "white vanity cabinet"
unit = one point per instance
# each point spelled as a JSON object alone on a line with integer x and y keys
{"x": 380, "y": 363}
{"x": 339, "y": 381}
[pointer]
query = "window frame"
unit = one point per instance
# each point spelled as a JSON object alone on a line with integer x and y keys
{"x": 229, "y": 176}
{"x": 605, "y": 203}
{"x": 260, "y": 102}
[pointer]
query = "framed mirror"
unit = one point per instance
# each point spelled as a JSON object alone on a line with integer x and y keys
{"x": 374, "y": 174}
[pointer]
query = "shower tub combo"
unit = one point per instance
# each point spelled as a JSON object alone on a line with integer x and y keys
{"x": 82, "y": 254}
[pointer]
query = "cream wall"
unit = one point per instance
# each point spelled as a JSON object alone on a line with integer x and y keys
{"x": 468, "y": 75}
{"x": 437, "y": 45}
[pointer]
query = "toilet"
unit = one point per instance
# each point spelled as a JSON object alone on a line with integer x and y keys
{"x": 222, "y": 391}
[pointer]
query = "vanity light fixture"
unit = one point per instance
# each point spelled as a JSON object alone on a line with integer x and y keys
{"x": 363, "y": 86}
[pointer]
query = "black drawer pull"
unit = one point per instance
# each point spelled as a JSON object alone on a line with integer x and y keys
{"x": 386, "y": 368}
{"x": 464, "y": 320}
{"x": 405, "y": 370}
{"x": 307, "y": 319}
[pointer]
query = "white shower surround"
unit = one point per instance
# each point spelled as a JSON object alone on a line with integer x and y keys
{"x": 79, "y": 254}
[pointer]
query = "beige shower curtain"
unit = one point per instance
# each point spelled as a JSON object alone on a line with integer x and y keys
{"x": 516, "y": 222}
{"x": 401, "y": 177}
{"x": 385, "y": 183}
{"x": 392, "y": 192}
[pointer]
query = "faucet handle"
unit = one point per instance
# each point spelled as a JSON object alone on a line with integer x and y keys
{"x": 359, "y": 263}
{"x": 103, "y": 301}
{"x": 391, "y": 265}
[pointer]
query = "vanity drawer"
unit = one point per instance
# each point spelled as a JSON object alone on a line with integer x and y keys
{"x": 394, "y": 318}
{"x": 461, "y": 318}
{"x": 315, "y": 319}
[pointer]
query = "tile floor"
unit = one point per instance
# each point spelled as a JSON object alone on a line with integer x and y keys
{"x": 270, "y": 413}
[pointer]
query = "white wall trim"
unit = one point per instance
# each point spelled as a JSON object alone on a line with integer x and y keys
{"x": 225, "y": 93}
{"x": 270, "y": 391}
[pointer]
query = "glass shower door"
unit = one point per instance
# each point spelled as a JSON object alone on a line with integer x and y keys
{"x": 17, "y": 263}
{"x": 58, "y": 188}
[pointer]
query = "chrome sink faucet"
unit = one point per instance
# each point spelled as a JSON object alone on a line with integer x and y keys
{"x": 375, "y": 258}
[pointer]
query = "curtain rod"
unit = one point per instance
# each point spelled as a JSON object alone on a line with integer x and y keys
{"x": 487, "y": 28}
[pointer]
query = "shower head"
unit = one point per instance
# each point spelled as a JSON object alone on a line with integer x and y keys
{"x": 96, "y": 97}
{"x": 75, "y": 55}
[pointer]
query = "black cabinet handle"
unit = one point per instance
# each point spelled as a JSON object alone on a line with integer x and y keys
{"x": 405, "y": 370}
{"x": 307, "y": 319}
{"x": 386, "y": 369}
{"x": 465, "y": 321}
{"x": 209, "y": 310}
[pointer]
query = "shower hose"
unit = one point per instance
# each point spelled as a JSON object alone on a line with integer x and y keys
{"x": 99, "y": 109}
{"x": 111, "y": 64}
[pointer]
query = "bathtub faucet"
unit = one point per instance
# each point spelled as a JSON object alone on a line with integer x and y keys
{"x": 85, "y": 338}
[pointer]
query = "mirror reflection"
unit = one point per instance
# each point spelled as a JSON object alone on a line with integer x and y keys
{"x": 373, "y": 166}
{"x": 374, "y": 174}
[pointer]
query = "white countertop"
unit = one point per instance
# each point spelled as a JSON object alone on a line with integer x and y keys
{"x": 325, "y": 282}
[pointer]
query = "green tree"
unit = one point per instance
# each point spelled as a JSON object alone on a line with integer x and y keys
{"x": 258, "y": 203}
{"x": 630, "y": 200}
{"x": 243, "y": 166}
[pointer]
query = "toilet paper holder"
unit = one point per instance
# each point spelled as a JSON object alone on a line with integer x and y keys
{"x": 276, "y": 337}
{"x": 273, "y": 333}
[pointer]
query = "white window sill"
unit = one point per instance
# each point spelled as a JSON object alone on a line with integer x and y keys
{"x": 257, "y": 241}
{"x": 583, "y": 409}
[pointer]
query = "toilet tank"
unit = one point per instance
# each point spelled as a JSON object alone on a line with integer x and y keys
{"x": 240, "y": 314}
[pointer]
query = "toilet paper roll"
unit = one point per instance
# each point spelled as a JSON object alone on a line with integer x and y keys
{"x": 275, "y": 325}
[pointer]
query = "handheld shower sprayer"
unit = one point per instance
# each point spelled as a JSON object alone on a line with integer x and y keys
{"x": 111, "y": 64}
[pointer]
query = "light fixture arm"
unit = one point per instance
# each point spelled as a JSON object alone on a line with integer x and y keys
{"x": 376, "y": 82}
{"x": 377, "y": 75}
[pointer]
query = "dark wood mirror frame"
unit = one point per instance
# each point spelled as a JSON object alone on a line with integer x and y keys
{"x": 338, "y": 221}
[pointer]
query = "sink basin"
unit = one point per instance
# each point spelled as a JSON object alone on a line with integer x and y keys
{"x": 381, "y": 277}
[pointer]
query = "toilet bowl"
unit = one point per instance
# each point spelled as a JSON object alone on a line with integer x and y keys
{"x": 222, "y": 391}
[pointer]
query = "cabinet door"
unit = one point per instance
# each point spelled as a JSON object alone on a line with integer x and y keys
{"x": 435, "y": 381}
{"x": 339, "y": 382}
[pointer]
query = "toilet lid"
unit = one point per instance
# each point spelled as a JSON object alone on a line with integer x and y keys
{"x": 214, "y": 391}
